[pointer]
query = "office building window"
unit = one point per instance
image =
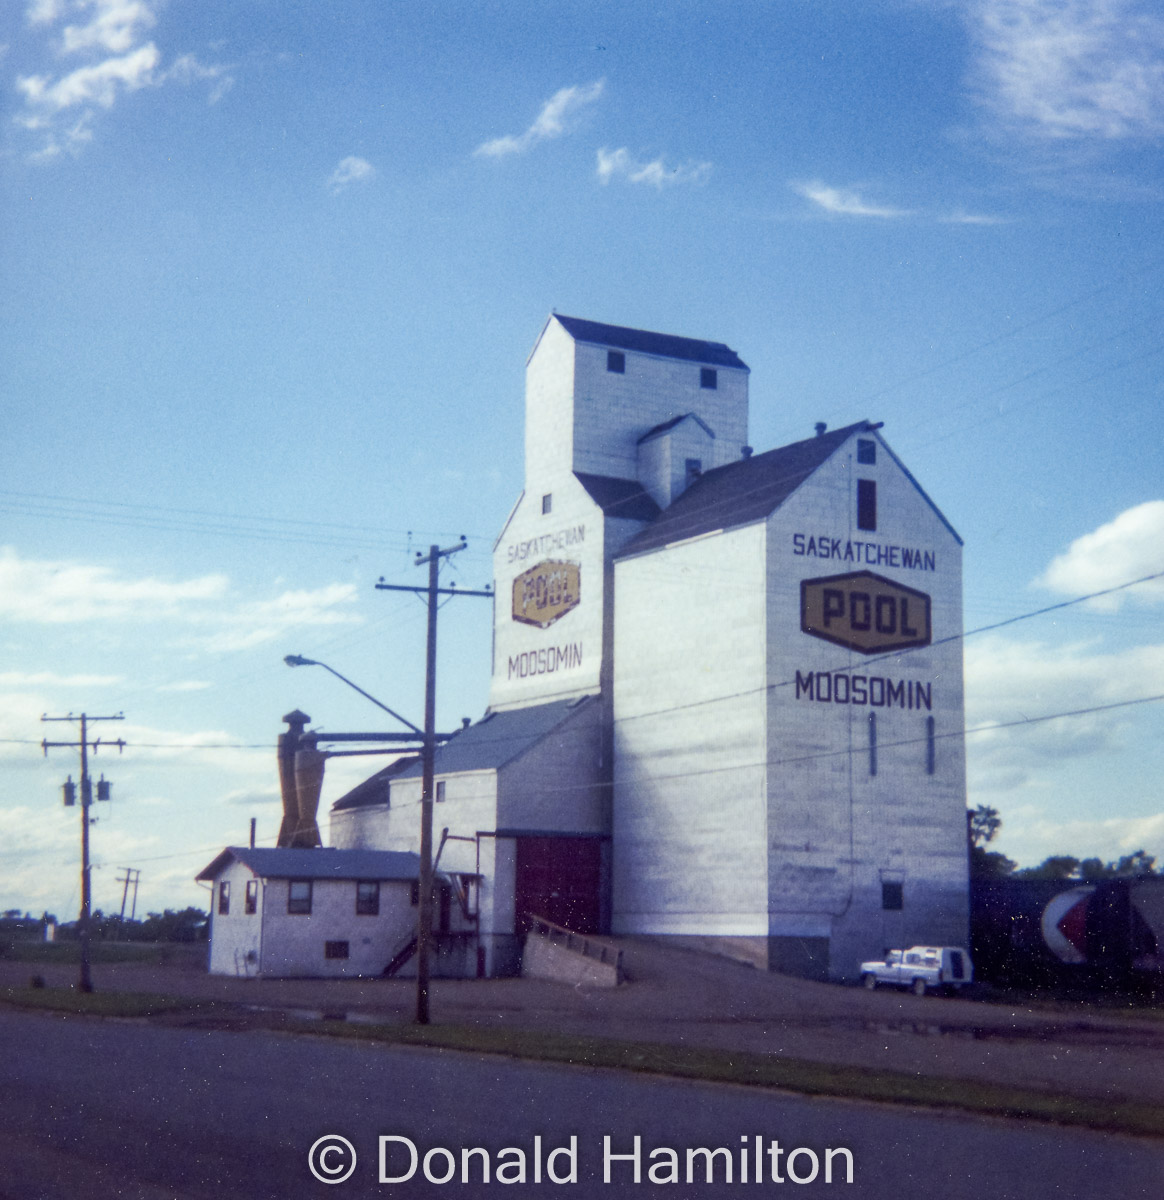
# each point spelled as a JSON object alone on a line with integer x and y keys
{"x": 299, "y": 897}
{"x": 368, "y": 898}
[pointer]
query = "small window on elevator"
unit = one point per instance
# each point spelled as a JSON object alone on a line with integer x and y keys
{"x": 866, "y": 504}
{"x": 694, "y": 468}
{"x": 866, "y": 451}
{"x": 892, "y": 895}
{"x": 708, "y": 378}
{"x": 547, "y": 503}
{"x": 616, "y": 362}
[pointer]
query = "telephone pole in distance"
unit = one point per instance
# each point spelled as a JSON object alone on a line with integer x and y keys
{"x": 86, "y": 981}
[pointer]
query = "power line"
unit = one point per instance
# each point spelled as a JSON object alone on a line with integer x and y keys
{"x": 895, "y": 655}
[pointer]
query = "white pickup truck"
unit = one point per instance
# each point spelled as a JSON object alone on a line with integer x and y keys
{"x": 920, "y": 968}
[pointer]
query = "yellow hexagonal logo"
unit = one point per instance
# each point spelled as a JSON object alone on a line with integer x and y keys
{"x": 865, "y": 612}
{"x": 545, "y": 593}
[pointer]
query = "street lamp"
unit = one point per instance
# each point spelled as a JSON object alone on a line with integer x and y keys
{"x": 297, "y": 660}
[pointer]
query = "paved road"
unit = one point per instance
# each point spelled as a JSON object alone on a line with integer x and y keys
{"x": 122, "y": 1109}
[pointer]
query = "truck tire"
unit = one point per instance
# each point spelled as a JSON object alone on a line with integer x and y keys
{"x": 919, "y": 987}
{"x": 869, "y": 982}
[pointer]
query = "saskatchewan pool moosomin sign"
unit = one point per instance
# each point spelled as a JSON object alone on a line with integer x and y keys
{"x": 865, "y": 612}
{"x": 545, "y": 593}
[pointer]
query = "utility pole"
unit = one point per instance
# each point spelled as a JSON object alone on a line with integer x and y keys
{"x": 428, "y": 757}
{"x": 132, "y": 874}
{"x": 86, "y": 981}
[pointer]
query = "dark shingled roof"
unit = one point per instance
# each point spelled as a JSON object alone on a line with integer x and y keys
{"x": 665, "y": 345}
{"x": 498, "y": 738}
{"x": 741, "y": 492}
{"x": 665, "y": 425}
{"x": 619, "y": 497}
{"x": 291, "y": 863}
{"x": 374, "y": 789}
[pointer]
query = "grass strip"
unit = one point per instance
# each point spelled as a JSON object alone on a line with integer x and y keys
{"x": 704, "y": 1064}
{"x": 95, "y": 1004}
{"x": 770, "y": 1071}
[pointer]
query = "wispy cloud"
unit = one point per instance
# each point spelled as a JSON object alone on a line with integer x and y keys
{"x": 844, "y": 202}
{"x": 349, "y": 170}
{"x": 1127, "y": 548}
{"x": 102, "y": 46}
{"x": 51, "y": 593}
{"x": 25, "y": 679}
{"x": 619, "y": 164}
{"x": 965, "y": 218}
{"x": 1071, "y": 68}
{"x": 262, "y": 621}
{"x": 204, "y": 608}
{"x": 1012, "y": 682}
{"x": 551, "y": 122}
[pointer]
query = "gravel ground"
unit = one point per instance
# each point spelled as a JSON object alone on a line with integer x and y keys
{"x": 696, "y": 999}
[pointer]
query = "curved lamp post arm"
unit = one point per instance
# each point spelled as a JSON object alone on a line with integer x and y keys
{"x": 297, "y": 660}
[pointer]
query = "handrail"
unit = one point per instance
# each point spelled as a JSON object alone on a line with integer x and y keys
{"x": 578, "y": 942}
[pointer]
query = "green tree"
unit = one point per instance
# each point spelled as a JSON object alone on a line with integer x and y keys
{"x": 982, "y": 825}
{"x": 1056, "y": 866}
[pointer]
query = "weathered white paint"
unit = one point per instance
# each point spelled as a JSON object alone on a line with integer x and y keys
{"x": 743, "y": 809}
{"x": 275, "y": 943}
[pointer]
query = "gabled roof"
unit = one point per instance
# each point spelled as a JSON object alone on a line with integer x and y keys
{"x": 499, "y": 738}
{"x": 269, "y": 862}
{"x": 665, "y": 345}
{"x": 750, "y": 490}
{"x": 374, "y": 789}
{"x": 668, "y": 425}
{"x": 625, "y": 498}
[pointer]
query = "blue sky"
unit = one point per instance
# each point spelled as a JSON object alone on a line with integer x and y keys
{"x": 272, "y": 270}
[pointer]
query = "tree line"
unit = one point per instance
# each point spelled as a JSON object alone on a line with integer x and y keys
{"x": 982, "y": 825}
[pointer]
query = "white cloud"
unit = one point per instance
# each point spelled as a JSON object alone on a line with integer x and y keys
{"x": 1012, "y": 682}
{"x": 103, "y": 43}
{"x": 844, "y": 203}
{"x": 1127, "y": 548}
{"x": 114, "y": 25}
{"x": 265, "y": 620}
{"x": 187, "y": 685}
{"x": 612, "y": 163}
{"x": 189, "y": 70}
{"x": 47, "y": 592}
{"x": 551, "y": 122}
{"x": 1071, "y": 68}
{"x": 98, "y": 84}
{"x": 204, "y": 607}
{"x": 350, "y": 170}
{"x": 1030, "y": 836}
{"x": 26, "y": 679}
{"x": 965, "y": 218}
